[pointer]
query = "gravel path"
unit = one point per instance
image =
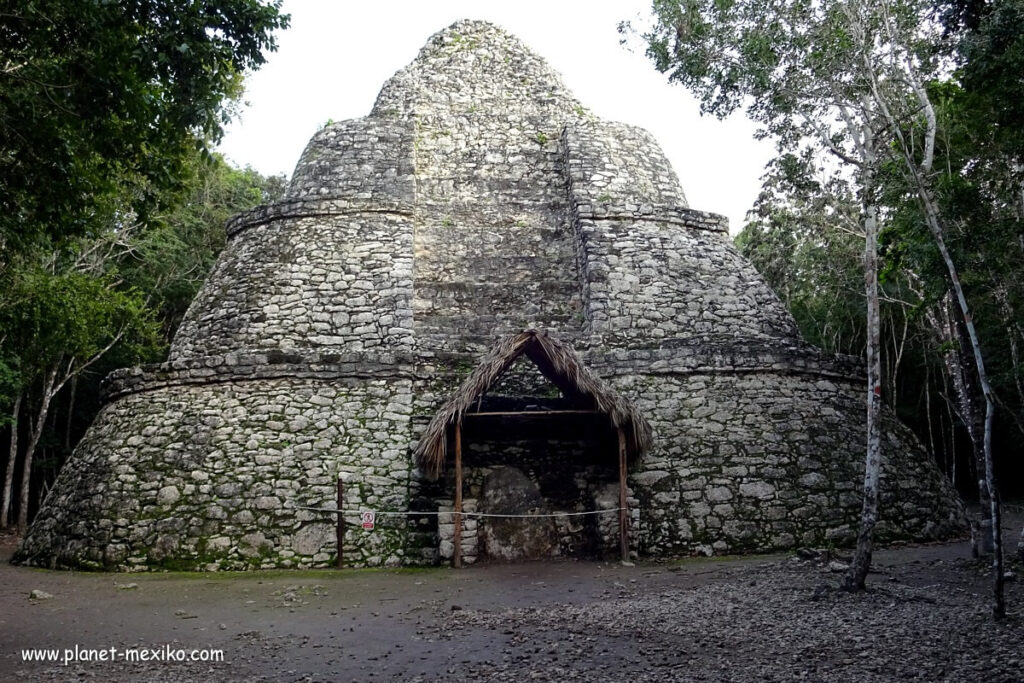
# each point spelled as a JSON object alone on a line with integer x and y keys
{"x": 925, "y": 617}
{"x": 776, "y": 621}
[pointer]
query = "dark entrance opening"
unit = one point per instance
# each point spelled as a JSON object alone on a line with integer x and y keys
{"x": 532, "y": 444}
{"x": 553, "y": 463}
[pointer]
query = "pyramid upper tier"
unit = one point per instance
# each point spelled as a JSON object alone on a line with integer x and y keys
{"x": 477, "y": 199}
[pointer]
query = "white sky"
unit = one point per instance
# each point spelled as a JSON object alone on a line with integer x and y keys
{"x": 337, "y": 54}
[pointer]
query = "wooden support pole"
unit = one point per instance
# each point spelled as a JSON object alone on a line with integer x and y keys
{"x": 341, "y": 519}
{"x": 623, "y": 513}
{"x": 457, "y": 535}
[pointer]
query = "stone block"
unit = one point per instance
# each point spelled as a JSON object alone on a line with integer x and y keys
{"x": 719, "y": 494}
{"x": 168, "y": 495}
{"x": 761, "y": 490}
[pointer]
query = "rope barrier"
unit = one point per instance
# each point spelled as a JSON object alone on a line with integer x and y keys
{"x": 384, "y": 513}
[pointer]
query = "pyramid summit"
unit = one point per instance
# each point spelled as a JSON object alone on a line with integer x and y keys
{"x": 478, "y": 298}
{"x": 471, "y": 64}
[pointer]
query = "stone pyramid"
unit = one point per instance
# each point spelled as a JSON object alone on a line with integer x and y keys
{"x": 479, "y": 198}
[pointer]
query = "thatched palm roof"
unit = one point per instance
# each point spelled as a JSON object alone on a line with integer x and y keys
{"x": 559, "y": 363}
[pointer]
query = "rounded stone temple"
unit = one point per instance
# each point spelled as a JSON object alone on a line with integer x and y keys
{"x": 482, "y": 299}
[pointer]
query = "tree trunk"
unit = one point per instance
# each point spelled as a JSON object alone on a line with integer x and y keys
{"x": 71, "y": 413}
{"x": 959, "y": 371}
{"x": 7, "y": 499}
{"x": 1013, "y": 334}
{"x": 51, "y": 386}
{"x": 952, "y": 427}
{"x": 931, "y": 213}
{"x": 861, "y": 563}
{"x": 920, "y": 174}
{"x": 967, "y": 385}
{"x": 37, "y": 432}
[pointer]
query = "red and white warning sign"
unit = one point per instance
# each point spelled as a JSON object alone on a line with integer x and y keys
{"x": 369, "y": 518}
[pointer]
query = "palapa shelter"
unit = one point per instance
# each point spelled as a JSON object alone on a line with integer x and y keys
{"x": 339, "y": 338}
{"x": 580, "y": 388}
{"x": 560, "y": 365}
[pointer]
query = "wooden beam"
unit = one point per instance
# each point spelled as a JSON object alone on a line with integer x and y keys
{"x": 457, "y": 535}
{"x": 623, "y": 512}
{"x": 531, "y": 413}
{"x": 341, "y": 520}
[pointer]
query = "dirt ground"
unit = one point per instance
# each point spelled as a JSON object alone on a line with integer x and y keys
{"x": 926, "y": 617}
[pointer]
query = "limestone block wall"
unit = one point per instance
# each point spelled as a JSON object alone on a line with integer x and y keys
{"x": 751, "y": 458}
{"x": 359, "y": 159}
{"x": 471, "y": 286}
{"x": 494, "y": 252}
{"x": 613, "y": 163}
{"x": 469, "y": 535}
{"x": 488, "y": 113}
{"x": 654, "y": 278}
{"x": 469, "y": 158}
{"x": 213, "y": 476}
{"x": 651, "y": 269}
{"x": 340, "y": 281}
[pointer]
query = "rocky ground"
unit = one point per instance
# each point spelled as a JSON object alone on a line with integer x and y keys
{"x": 926, "y": 617}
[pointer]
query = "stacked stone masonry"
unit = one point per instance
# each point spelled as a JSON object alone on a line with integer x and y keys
{"x": 479, "y": 198}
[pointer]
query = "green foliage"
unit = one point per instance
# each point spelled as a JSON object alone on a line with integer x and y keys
{"x": 171, "y": 258}
{"x": 821, "y": 79}
{"x": 65, "y": 309}
{"x": 989, "y": 46}
{"x": 92, "y": 305}
{"x": 791, "y": 237}
{"x": 67, "y": 314}
{"x": 112, "y": 208}
{"x": 103, "y": 103}
{"x": 10, "y": 381}
{"x": 802, "y": 237}
{"x": 792, "y": 65}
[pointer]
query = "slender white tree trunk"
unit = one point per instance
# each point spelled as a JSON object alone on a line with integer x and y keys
{"x": 53, "y": 382}
{"x": 934, "y": 224}
{"x": 7, "y": 499}
{"x": 861, "y": 563}
{"x": 920, "y": 173}
{"x": 49, "y": 389}
{"x": 965, "y": 403}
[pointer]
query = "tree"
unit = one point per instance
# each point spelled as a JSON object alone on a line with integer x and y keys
{"x": 171, "y": 258}
{"x": 105, "y": 108}
{"x": 64, "y": 318}
{"x": 103, "y": 303}
{"x": 103, "y": 100}
{"x": 981, "y": 114}
{"x": 898, "y": 89}
{"x": 790, "y": 64}
{"x": 849, "y": 78}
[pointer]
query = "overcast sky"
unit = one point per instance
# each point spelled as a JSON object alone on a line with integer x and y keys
{"x": 336, "y": 56}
